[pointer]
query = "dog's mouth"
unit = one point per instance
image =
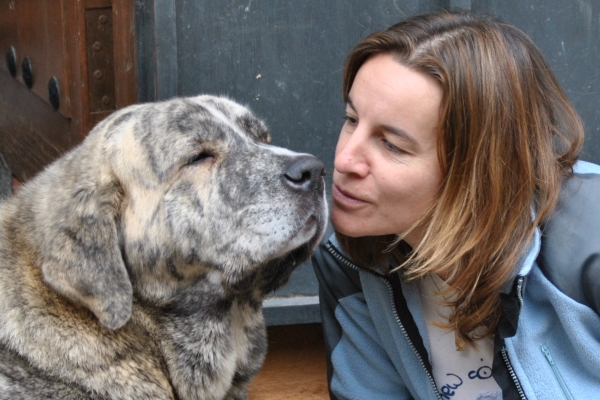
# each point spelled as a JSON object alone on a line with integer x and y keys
{"x": 285, "y": 249}
{"x": 305, "y": 232}
{"x": 276, "y": 272}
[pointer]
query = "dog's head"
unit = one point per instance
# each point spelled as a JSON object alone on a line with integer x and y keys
{"x": 161, "y": 195}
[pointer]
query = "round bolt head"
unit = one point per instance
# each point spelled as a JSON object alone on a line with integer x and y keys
{"x": 54, "y": 93}
{"x": 27, "y": 72}
{"x": 11, "y": 61}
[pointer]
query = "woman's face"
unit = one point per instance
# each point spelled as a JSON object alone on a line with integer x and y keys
{"x": 386, "y": 169}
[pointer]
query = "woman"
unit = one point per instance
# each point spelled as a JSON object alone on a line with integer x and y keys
{"x": 463, "y": 263}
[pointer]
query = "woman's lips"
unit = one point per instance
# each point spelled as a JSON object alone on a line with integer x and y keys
{"x": 344, "y": 198}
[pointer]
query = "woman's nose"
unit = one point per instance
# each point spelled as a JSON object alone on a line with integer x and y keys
{"x": 351, "y": 154}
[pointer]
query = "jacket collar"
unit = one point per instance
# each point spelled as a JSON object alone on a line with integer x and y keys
{"x": 523, "y": 267}
{"x": 526, "y": 262}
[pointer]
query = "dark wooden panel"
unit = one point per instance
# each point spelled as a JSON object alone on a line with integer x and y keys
{"x": 91, "y": 4}
{"x": 8, "y": 30}
{"x": 35, "y": 29}
{"x": 55, "y": 37}
{"x": 126, "y": 87}
{"x": 31, "y": 132}
{"x": 100, "y": 59}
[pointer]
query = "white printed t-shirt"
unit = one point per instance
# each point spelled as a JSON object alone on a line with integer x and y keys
{"x": 464, "y": 375}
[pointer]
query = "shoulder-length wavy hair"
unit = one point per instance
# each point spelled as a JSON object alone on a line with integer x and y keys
{"x": 508, "y": 136}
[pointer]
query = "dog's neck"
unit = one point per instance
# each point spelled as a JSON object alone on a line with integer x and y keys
{"x": 227, "y": 330}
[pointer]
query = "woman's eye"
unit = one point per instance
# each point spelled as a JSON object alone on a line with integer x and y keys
{"x": 201, "y": 158}
{"x": 391, "y": 147}
{"x": 350, "y": 120}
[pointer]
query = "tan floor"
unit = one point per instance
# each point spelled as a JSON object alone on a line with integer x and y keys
{"x": 295, "y": 366}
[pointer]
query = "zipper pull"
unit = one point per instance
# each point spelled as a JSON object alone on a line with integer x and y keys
{"x": 547, "y": 355}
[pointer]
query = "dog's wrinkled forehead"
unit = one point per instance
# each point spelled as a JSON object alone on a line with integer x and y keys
{"x": 237, "y": 116}
{"x": 169, "y": 134}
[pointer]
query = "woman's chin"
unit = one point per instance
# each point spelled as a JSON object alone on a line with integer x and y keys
{"x": 342, "y": 228}
{"x": 348, "y": 226}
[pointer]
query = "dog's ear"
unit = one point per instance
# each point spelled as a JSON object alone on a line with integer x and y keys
{"x": 81, "y": 257}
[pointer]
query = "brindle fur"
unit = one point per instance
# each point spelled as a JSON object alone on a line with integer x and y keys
{"x": 134, "y": 267}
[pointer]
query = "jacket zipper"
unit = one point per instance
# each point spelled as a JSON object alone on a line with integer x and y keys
{"x": 556, "y": 372}
{"x": 511, "y": 371}
{"x": 338, "y": 256}
{"x": 520, "y": 291}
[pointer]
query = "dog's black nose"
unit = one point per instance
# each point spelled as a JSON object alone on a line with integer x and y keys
{"x": 304, "y": 173}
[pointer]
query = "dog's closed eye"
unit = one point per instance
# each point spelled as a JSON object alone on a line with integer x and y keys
{"x": 201, "y": 158}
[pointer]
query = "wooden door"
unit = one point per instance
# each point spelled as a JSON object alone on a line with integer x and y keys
{"x": 67, "y": 65}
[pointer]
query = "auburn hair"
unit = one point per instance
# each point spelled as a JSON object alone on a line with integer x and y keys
{"x": 508, "y": 137}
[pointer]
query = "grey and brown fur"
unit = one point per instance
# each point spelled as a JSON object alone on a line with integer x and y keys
{"x": 134, "y": 266}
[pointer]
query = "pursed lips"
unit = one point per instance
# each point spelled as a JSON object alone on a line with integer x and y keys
{"x": 344, "y": 198}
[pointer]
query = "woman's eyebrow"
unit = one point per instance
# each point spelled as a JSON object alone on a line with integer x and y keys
{"x": 394, "y": 130}
{"x": 350, "y": 104}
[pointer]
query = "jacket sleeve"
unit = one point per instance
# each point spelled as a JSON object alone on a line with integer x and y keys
{"x": 357, "y": 365}
{"x": 591, "y": 282}
{"x": 570, "y": 252}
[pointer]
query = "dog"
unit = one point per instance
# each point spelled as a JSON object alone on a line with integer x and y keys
{"x": 134, "y": 266}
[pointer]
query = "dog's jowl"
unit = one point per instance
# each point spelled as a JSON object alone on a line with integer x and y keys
{"x": 134, "y": 267}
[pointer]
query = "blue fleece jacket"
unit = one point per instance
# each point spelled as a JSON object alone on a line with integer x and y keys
{"x": 547, "y": 345}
